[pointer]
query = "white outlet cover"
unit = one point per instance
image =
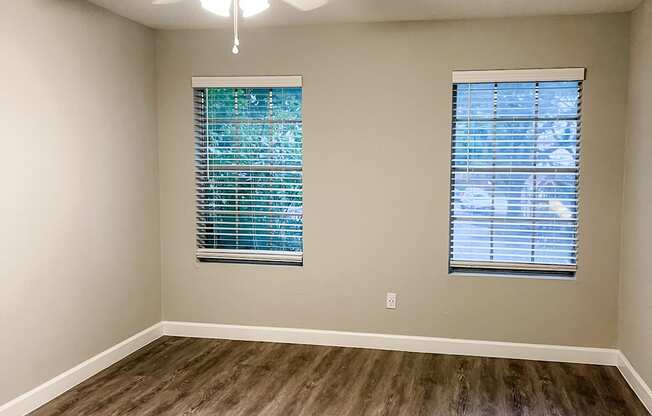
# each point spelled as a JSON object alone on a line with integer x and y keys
{"x": 390, "y": 300}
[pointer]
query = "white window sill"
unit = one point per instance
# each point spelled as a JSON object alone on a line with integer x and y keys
{"x": 511, "y": 276}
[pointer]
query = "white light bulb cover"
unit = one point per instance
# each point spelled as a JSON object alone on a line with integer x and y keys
{"x": 219, "y": 7}
{"x": 252, "y": 7}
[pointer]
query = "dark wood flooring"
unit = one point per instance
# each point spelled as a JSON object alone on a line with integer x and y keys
{"x": 185, "y": 376}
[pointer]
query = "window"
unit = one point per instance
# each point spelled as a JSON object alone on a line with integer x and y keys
{"x": 249, "y": 169}
{"x": 515, "y": 171}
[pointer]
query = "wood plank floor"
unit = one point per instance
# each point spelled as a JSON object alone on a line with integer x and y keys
{"x": 185, "y": 376}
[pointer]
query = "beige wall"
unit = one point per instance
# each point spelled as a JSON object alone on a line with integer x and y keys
{"x": 377, "y": 136}
{"x": 636, "y": 279}
{"x": 79, "y": 203}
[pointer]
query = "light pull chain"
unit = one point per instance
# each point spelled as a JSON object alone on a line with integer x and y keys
{"x": 236, "y": 39}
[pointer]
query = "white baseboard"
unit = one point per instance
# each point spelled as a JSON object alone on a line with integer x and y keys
{"x": 47, "y": 391}
{"x": 635, "y": 381}
{"x": 65, "y": 381}
{"x": 584, "y": 355}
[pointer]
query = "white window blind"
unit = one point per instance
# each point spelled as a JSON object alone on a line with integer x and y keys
{"x": 514, "y": 176}
{"x": 249, "y": 169}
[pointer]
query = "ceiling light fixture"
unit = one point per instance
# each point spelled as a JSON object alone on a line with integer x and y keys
{"x": 248, "y": 7}
{"x": 223, "y": 8}
{"x": 236, "y": 38}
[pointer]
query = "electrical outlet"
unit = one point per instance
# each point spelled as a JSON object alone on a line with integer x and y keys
{"x": 390, "y": 300}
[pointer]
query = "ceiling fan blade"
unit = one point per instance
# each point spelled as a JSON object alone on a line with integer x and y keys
{"x": 306, "y": 5}
{"x": 161, "y": 2}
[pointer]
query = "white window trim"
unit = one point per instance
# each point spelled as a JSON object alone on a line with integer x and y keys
{"x": 250, "y": 255}
{"x": 237, "y": 255}
{"x": 520, "y": 75}
{"x": 248, "y": 82}
{"x": 517, "y": 75}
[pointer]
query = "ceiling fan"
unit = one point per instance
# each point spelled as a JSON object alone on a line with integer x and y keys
{"x": 247, "y": 7}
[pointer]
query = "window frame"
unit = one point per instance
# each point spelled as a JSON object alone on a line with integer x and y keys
{"x": 486, "y": 268}
{"x": 246, "y": 256}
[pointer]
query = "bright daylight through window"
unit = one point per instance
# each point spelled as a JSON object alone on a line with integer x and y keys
{"x": 249, "y": 169}
{"x": 515, "y": 171}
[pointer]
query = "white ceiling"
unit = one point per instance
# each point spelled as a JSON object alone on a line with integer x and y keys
{"x": 189, "y": 14}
